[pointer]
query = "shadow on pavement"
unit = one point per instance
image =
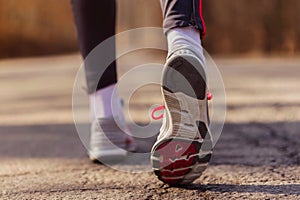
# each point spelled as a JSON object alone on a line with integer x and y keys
{"x": 49, "y": 141}
{"x": 252, "y": 144}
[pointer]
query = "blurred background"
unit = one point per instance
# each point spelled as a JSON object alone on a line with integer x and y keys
{"x": 257, "y": 27}
{"x": 256, "y": 46}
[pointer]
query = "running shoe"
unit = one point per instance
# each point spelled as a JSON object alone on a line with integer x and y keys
{"x": 108, "y": 141}
{"x": 184, "y": 145}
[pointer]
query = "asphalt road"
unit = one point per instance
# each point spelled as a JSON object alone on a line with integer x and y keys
{"x": 42, "y": 157}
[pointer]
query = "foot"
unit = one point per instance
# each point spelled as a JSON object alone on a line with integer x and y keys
{"x": 108, "y": 142}
{"x": 184, "y": 145}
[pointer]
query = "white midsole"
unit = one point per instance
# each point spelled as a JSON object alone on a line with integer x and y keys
{"x": 110, "y": 154}
{"x": 196, "y": 111}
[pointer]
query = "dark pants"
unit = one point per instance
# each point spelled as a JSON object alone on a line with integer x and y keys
{"x": 95, "y": 22}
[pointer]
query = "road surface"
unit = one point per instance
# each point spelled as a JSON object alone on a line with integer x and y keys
{"x": 42, "y": 157}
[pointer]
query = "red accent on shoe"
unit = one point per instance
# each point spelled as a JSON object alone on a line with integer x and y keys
{"x": 159, "y": 108}
{"x": 170, "y": 151}
{"x": 209, "y": 96}
{"x": 173, "y": 164}
{"x": 128, "y": 141}
{"x": 168, "y": 173}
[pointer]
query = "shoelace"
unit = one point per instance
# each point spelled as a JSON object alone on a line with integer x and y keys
{"x": 162, "y": 107}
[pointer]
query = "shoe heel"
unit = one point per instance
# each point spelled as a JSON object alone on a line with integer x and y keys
{"x": 185, "y": 74}
{"x": 177, "y": 161}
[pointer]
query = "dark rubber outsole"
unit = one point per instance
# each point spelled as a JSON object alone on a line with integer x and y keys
{"x": 183, "y": 75}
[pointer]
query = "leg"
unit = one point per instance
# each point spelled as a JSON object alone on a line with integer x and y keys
{"x": 183, "y": 13}
{"x": 184, "y": 25}
{"x": 184, "y": 146}
{"x": 95, "y": 22}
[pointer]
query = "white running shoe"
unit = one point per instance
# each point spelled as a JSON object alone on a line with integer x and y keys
{"x": 184, "y": 146}
{"x": 108, "y": 142}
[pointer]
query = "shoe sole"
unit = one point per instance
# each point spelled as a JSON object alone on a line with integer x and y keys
{"x": 108, "y": 156}
{"x": 180, "y": 157}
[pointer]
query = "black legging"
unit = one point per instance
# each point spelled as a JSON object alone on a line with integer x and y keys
{"x": 95, "y": 22}
{"x": 96, "y": 19}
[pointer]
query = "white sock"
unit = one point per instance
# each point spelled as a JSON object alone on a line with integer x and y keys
{"x": 101, "y": 103}
{"x": 185, "y": 37}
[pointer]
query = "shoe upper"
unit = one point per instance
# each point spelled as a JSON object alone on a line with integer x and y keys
{"x": 108, "y": 134}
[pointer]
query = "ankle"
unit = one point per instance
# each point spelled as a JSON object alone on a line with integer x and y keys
{"x": 101, "y": 103}
{"x": 185, "y": 38}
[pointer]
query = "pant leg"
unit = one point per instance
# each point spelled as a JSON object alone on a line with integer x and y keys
{"x": 95, "y": 21}
{"x": 182, "y": 13}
